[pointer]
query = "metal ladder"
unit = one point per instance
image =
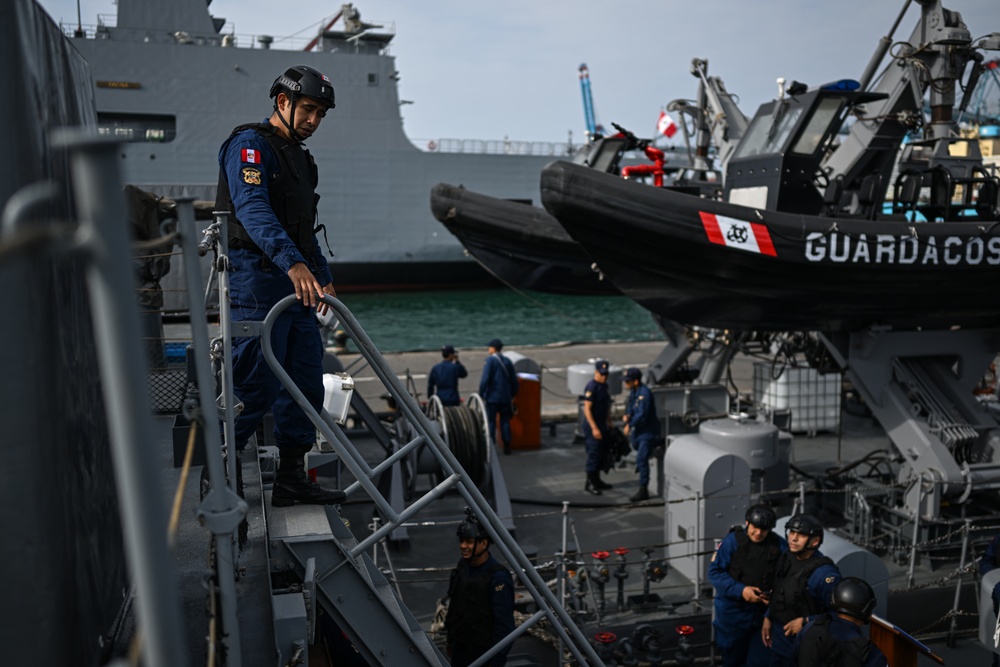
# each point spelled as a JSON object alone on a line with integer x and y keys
{"x": 347, "y": 584}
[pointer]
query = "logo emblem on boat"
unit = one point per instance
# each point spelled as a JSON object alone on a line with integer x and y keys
{"x": 251, "y": 175}
{"x": 738, "y": 234}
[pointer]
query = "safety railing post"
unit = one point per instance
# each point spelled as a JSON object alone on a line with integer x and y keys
{"x": 110, "y": 283}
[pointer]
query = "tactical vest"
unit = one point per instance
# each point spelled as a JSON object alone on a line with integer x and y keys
{"x": 470, "y": 614}
{"x": 822, "y": 649}
{"x": 292, "y": 193}
{"x": 753, "y": 564}
{"x": 791, "y": 598}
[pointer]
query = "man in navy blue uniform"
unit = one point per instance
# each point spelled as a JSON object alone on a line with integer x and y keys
{"x": 835, "y": 638}
{"x": 804, "y": 580}
{"x": 742, "y": 571}
{"x": 268, "y": 181}
{"x": 597, "y": 413}
{"x": 443, "y": 379}
{"x": 481, "y": 599}
{"x": 990, "y": 561}
{"x": 497, "y": 388}
{"x": 643, "y": 424}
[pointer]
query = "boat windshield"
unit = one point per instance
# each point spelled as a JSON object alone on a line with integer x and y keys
{"x": 761, "y": 140}
{"x": 818, "y": 126}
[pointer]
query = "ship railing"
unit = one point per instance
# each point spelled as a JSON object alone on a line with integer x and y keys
{"x": 453, "y": 475}
{"x": 226, "y": 37}
{"x": 555, "y": 149}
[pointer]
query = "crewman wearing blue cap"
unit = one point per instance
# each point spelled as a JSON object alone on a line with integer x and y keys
{"x": 498, "y": 387}
{"x": 642, "y": 423}
{"x": 443, "y": 378}
{"x": 597, "y": 412}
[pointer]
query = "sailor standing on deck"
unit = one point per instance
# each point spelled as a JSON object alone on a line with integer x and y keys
{"x": 742, "y": 571}
{"x": 643, "y": 425}
{"x": 597, "y": 412}
{"x": 835, "y": 639}
{"x": 443, "y": 378}
{"x": 480, "y": 599}
{"x": 268, "y": 183}
{"x": 498, "y": 387}
{"x": 804, "y": 580}
{"x": 990, "y": 561}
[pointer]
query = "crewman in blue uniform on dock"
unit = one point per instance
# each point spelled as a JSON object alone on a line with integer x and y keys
{"x": 804, "y": 580}
{"x": 597, "y": 413}
{"x": 481, "y": 599}
{"x": 267, "y": 182}
{"x": 498, "y": 387}
{"x": 835, "y": 638}
{"x": 742, "y": 571}
{"x": 642, "y": 423}
{"x": 443, "y": 378}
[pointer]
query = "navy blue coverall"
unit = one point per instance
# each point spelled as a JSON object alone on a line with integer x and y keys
{"x": 644, "y": 427}
{"x": 842, "y": 631}
{"x": 443, "y": 381}
{"x": 600, "y": 407}
{"x": 819, "y": 587}
{"x": 256, "y": 284}
{"x": 498, "y": 387}
{"x": 501, "y": 604}
{"x": 737, "y": 622}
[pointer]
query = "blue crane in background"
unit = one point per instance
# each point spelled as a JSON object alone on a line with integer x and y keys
{"x": 589, "y": 117}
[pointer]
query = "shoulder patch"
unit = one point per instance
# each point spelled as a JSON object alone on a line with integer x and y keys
{"x": 251, "y": 175}
{"x": 714, "y": 554}
{"x": 588, "y": 393}
{"x": 829, "y": 580}
{"x": 499, "y": 588}
{"x": 641, "y": 397}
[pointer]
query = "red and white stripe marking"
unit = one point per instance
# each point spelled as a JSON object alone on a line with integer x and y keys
{"x": 739, "y": 234}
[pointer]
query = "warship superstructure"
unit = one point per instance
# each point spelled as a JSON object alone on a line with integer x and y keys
{"x": 171, "y": 83}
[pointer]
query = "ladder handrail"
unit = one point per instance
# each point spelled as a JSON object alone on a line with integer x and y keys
{"x": 562, "y": 622}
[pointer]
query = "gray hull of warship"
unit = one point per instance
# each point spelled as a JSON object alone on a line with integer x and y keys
{"x": 172, "y": 82}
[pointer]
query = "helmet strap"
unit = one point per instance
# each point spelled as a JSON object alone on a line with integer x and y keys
{"x": 293, "y": 99}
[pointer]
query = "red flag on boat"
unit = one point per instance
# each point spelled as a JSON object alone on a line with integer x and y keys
{"x": 666, "y": 125}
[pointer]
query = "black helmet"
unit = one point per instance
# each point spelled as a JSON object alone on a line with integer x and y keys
{"x": 805, "y": 524}
{"x": 471, "y": 528}
{"x": 304, "y": 81}
{"x": 761, "y": 516}
{"x": 854, "y": 597}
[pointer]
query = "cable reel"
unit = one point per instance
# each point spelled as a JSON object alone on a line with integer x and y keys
{"x": 463, "y": 430}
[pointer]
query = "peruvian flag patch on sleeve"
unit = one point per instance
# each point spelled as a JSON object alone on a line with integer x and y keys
{"x": 251, "y": 156}
{"x": 733, "y": 233}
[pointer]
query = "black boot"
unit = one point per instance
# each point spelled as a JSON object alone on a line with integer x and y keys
{"x": 590, "y": 487}
{"x": 600, "y": 483}
{"x": 640, "y": 495}
{"x": 292, "y": 484}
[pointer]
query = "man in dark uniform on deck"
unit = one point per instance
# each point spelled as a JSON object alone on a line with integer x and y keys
{"x": 642, "y": 423}
{"x": 597, "y": 413}
{"x": 481, "y": 599}
{"x": 498, "y": 387}
{"x": 742, "y": 571}
{"x": 443, "y": 378}
{"x": 835, "y": 638}
{"x": 804, "y": 580}
{"x": 268, "y": 183}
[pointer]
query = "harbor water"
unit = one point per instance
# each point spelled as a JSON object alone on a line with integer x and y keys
{"x": 413, "y": 321}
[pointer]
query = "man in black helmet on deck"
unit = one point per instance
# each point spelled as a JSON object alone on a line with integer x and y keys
{"x": 804, "y": 580}
{"x": 835, "y": 639}
{"x": 481, "y": 599}
{"x": 742, "y": 571}
{"x": 267, "y": 182}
